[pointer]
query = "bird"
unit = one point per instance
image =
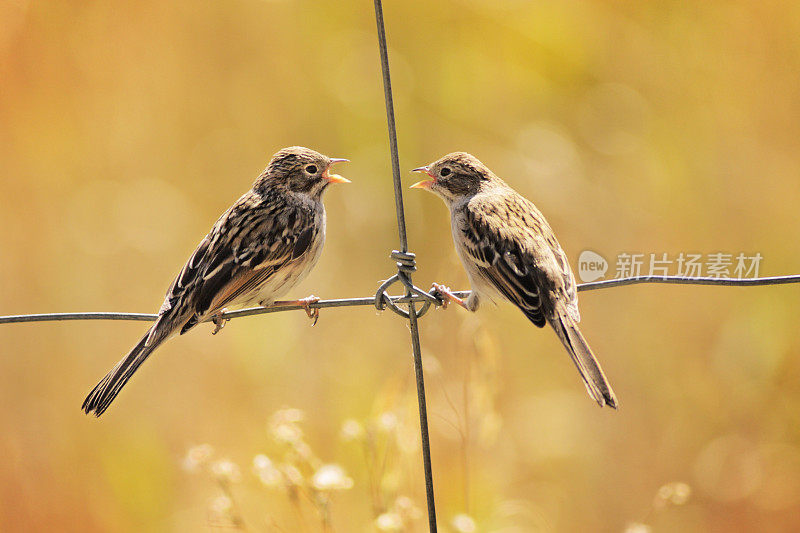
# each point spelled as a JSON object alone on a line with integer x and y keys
{"x": 261, "y": 247}
{"x": 510, "y": 252}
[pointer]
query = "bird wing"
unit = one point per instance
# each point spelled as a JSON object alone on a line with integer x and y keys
{"x": 515, "y": 250}
{"x": 247, "y": 245}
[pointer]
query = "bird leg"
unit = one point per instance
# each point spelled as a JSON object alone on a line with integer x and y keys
{"x": 218, "y": 321}
{"x": 305, "y": 303}
{"x": 446, "y": 296}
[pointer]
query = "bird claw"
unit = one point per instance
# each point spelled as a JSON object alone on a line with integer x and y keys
{"x": 446, "y": 296}
{"x": 312, "y": 312}
{"x": 305, "y": 303}
{"x": 219, "y": 322}
{"x": 441, "y": 293}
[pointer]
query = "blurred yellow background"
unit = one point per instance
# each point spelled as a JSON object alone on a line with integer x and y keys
{"x": 127, "y": 127}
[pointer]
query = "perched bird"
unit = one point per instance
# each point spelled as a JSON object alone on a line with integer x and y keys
{"x": 260, "y": 248}
{"x": 509, "y": 251}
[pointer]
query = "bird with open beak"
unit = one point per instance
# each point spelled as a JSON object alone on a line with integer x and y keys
{"x": 261, "y": 247}
{"x": 510, "y": 252}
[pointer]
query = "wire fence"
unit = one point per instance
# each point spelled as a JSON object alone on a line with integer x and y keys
{"x": 405, "y": 266}
{"x": 413, "y": 296}
{"x": 370, "y": 300}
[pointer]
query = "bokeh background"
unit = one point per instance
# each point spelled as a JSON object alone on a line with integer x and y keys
{"x": 127, "y": 127}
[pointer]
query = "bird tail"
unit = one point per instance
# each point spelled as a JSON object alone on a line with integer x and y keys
{"x": 104, "y": 392}
{"x": 597, "y": 384}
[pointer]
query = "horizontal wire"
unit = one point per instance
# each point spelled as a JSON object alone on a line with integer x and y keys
{"x": 370, "y": 300}
{"x": 680, "y": 280}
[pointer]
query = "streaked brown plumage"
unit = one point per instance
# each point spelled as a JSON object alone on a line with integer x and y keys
{"x": 262, "y": 246}
{"x": 509, "y": 251}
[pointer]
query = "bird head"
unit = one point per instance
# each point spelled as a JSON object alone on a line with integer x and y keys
{"x": 456, "y": 176}
{"x": 301, "y": 170}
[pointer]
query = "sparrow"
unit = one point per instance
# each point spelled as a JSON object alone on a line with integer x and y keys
{"x": 260, "y": 248}
{"x": 510, "y": 252}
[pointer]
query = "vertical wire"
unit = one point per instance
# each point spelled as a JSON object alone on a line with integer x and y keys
{"x": 387, "y": 92}
{"x": 423, "y": 418}
{"x": 401, "y": 228}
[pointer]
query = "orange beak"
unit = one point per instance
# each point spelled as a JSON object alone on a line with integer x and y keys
{"x": 335, "y": 178}
{"x": 424, "y": 184}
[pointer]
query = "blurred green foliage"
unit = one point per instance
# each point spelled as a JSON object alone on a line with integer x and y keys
{"x": 127, "y": 127}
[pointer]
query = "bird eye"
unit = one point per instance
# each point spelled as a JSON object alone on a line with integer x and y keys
{"x": 444, "y": 172}
{"x": 311, "y": 169}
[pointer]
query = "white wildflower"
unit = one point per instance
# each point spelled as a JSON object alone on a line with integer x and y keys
{"x": 283, "y": 425}
{"x": 389, "y": 522}
{"x": 351, "y": 430}
{"x": 680, "y": 493}
{"x": 331, "y": 477}
{"x": 221, "y": 505}
{"x": 266, "y": 471}
{"x": 407, "y": 439}
{"x": 676, "y": 493}
{"x": 463, "y": 524}
{"x": 226, "y": 471}
{"x": 287, "y": 415}
{"x": 287, "y": 433}
{"x": 432, "y": 365}
{"x": 387, "y": 421}
{"x": 197, "y": 456}
{"x": 406, "y": 508}
{"x": 261, "y": 462}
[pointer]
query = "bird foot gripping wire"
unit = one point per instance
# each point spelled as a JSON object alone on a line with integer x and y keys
{"x": 445, "y": 296}
{"x": 305, "y": 303}
{"x": 219, "y": 321}
{"x": 312, "y": 312}
{"x": 405, "y": 266}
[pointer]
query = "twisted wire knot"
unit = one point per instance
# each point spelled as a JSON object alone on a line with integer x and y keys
{"x": 406, "y": 264}
{"x": 405, "y": 261}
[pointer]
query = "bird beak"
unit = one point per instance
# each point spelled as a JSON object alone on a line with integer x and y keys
{"x": 424, "y": 184}
{"x": 335, "y": 178}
